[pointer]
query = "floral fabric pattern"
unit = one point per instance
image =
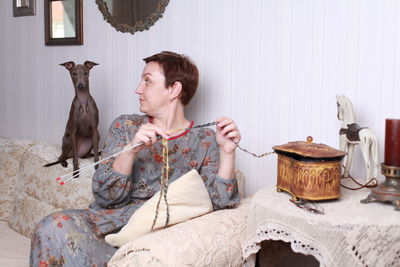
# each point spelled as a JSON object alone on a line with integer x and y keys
{"x": 76, "y": 237}
{"x": 67, "y": 239}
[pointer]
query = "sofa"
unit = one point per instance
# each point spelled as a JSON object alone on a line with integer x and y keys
{"x": 29, "y": 191}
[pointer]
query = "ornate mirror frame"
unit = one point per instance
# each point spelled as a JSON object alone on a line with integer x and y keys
{"x": 77, "y": 40}
{"x": 140, "y": 25}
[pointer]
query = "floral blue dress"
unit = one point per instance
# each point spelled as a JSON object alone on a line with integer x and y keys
{"x": 76, "y": 237}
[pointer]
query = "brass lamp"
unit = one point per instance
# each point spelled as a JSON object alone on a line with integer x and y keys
{"x": 389, "y": 190}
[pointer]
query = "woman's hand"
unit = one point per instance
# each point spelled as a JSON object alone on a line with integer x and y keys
{"x": 227, "y": 131}
{"x": 147, "y": 134}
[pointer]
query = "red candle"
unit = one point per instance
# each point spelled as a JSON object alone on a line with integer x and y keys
{"x": 392, "y": 142}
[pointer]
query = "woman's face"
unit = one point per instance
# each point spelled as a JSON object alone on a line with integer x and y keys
{"x": 153, "y": 95}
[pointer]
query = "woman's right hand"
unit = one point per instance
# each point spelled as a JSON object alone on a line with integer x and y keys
{"x": 147, "y": 135}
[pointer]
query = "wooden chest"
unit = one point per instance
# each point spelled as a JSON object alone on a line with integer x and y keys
{"x": 309, "y": 171}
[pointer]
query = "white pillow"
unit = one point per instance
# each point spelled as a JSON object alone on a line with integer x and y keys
{"x": 187, "y": 198}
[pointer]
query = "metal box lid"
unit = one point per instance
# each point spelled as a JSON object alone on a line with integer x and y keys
{"x": 309, "y": 151}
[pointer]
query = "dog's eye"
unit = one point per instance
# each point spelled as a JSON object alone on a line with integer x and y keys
{"x": 74, "y": 73}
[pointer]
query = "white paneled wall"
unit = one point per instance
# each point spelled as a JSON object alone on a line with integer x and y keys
{"x": 274, "y": 66}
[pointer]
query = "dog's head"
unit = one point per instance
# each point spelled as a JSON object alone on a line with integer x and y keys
{"x": 79, "y": 73}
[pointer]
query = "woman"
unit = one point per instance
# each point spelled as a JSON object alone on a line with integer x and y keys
{"x": 122, "y": 184}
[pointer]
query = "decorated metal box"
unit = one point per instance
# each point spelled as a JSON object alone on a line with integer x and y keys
{"x": 309, "y": 171}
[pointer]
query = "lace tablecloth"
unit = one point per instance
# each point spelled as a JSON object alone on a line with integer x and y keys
{"x": 348, "y": 234}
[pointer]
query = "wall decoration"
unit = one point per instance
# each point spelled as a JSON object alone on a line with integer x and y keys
{"x": 24, "y": 8}
{"x": 63, "y": 22}
{"x": 132, "y": 15}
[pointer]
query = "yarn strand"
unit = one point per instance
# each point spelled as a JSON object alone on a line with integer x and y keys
{"x": 163, "y": 184}
{"x": 70, "y": 176}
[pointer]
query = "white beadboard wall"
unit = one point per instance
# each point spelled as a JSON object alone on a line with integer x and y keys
{"x": 274, "y": 66}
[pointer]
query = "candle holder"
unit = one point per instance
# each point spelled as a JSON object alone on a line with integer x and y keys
{"x": 388, "y": 191}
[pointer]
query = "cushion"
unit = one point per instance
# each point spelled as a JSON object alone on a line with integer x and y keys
{"x": 187, "y": 198}
{"x": 11, "y": 151}
{"x": 211, "y": 240}
{"x": 39, "y": 194}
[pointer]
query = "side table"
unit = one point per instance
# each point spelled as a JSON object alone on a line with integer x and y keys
{"x": 348, "y": 234}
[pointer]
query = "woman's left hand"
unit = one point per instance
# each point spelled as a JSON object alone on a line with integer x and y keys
{"x": 227, "y": 131}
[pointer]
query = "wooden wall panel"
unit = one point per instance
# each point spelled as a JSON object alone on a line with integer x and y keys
{"x": 274, "y": 66}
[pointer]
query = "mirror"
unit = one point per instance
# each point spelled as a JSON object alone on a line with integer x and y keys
{"x": 132, "y": 15}
{"x": 22, "y": 3}
{"x": 24, "y": 8}
{"x": 63, "y": 22}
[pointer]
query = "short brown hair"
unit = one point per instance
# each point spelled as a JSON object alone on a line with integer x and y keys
{"x": 178, "y": 68}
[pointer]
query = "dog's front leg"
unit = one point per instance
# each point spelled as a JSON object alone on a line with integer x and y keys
{"x": 96, "y": 139}
{"x": 74, "y": 153}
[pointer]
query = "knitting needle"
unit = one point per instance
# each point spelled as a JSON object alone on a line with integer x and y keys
{"x": 76, "y": 173}
{"x": 94, "y": 164}
{"x": 81, "y": 170}
{"x": 138, "y": 144}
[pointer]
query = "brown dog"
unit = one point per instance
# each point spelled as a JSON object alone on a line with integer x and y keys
{"x": 81, "y": 134}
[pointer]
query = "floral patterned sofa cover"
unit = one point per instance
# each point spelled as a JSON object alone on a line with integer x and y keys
{"x": 29, "y": 191}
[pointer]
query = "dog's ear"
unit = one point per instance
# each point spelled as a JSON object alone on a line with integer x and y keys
{"x": 68, "y": 65}
{"x": 89, "y": 64}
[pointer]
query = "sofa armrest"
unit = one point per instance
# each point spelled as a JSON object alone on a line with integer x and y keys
{"x": 38, "y": 193}
{"x": 210, "y": 240}
{"x": 11, "y": 151}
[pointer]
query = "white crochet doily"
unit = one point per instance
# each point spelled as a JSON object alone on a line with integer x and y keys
{"x": 348, "y": 234}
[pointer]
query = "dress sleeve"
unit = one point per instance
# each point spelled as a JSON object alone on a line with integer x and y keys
{"x": 112, "y": 189}
{"x": 223, "y": 192}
